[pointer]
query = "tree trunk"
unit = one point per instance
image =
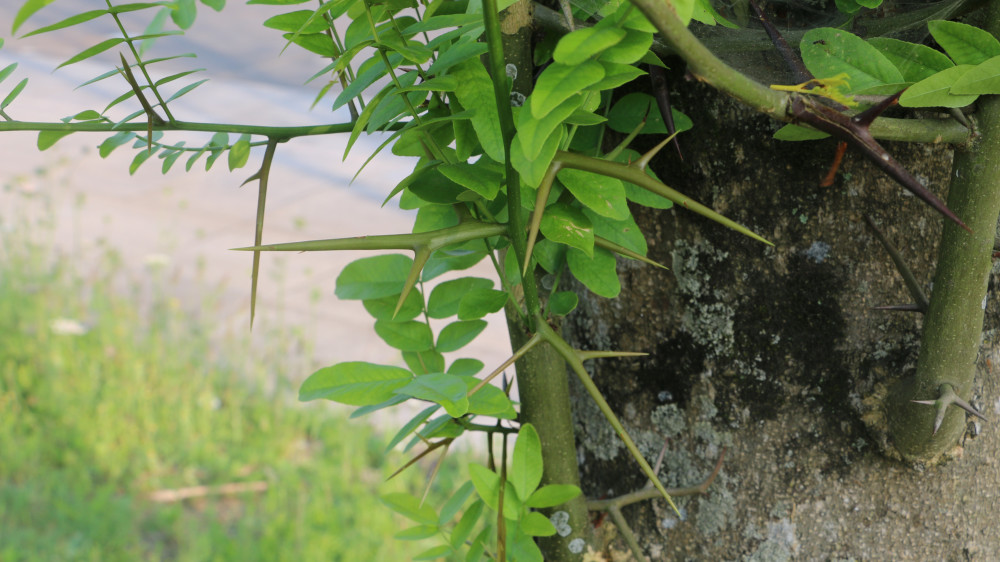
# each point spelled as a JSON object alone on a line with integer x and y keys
{"x": 776, "y": 356}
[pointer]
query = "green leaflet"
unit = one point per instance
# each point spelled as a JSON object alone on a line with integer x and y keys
{"x": 914, "y": 61}
{"x": 935, "y": 91}
{"x": 599, "y": 274}
{"x": 982, "y": 79}
{"x": 441, "y": 388}
{"x": 563, "y": 302}
{"x": 601, "y": 194}
{"x": 582, "y": 44}
{"x": 480, "y": 302}
{"x": 465, "y": 367}
{"x": 355, "y": 382}
{"x": 567, "y": 225}
{"x": 532, "y": 170}
{"x": 828, "y": 52}
{"x": 791, "y": 132}
{"x": 374, "y": 277}
{"x": 552, "y": 495}
{"x": 456, "y": 335}
{"x": 964, "y": 43}
{"x": 489, "y": 400}
{"x": 487, "y": 485}
{"x": 410, "y": 507}
{"x": 405, "y": 336}
{"x": 475, "y": 91}
{"x": 558, "y": 82}
{"x": 383, "y": 307}
{"x": 484, "y": 177}
{"x": 526, "y": 463}
{"x": 630, "y": 49}
{"x": 424, "y": 362}
{"x": 535, "y": 132}
{"x": 632, "y": 108}
{"x": 298, "y": 22}
{"x": 446, "y": 298}
{"x": 535, "y": 524}
{"x": 239, "y": 153}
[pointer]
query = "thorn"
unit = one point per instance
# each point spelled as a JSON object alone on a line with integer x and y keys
{"x": 645, "y": 158}
{"x": 900, "y": 308}
{"x": 947, "y": 398}
{"x": 838, "y": 157}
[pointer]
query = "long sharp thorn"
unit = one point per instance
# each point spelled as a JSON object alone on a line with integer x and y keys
{"x": 643, "y": 160}
{"x": 420, "y": 256}
{"x": 865, "y": 118}
{"x": 662, "y": 94}
{"x": 541, "y": 198}
{"x": 912, "y": 285}
{"x": 586, "y": 355}
{"x": 968, "y": 408}
{"x": 900, "y": 308}
{"x": 787, "y": 54}
{"x": 838, "y": 124}
{"x": 264, "y": 174}
{"x": 611, "y": 246}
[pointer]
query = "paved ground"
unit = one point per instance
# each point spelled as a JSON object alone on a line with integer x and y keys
{"x": 191, "y": 219}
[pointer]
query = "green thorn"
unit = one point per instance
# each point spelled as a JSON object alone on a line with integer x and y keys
{"x": 947, "y": 398}
{"x": 611, "y": 246}
{"x": 420, "y": 256}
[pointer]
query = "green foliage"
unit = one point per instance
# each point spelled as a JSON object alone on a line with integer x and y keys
{"x": 521, "y": 187}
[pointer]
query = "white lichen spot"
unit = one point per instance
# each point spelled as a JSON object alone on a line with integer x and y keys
{"x": 511, "y": 71}
{"x": 517, "y": 99}
{"x": 576, "y": 545}
{"x": 818, "y": 252}
{"x": 560, "y": 520}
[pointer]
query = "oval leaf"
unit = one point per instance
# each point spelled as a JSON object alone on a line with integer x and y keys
{"x": 557, "y": 83}
{"x": 446, "y": 298}
{"x": 405, "y": 336}
{"x": 526, "y": 465}
{"x": 374, "y": 277}
{"x": 598, "y": 273}
{"x": 936, "y": 90}
{"x": 567, "y": 225}
{"x": 355, "y": 382}
{"x": 828, "y": 52}
{"x": 456, "y": 335}
{"x": 982, "y": 79}
{"x": 965, "y": 44}
{"x": 441, "y": 388}
{"x": 578, "y": 46}
{"x": 602, "y": 194}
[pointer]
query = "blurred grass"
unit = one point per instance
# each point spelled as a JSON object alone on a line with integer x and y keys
{"x": 104, "y": 399}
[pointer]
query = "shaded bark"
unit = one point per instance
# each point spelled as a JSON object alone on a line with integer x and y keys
{"x": 777, "y": 355}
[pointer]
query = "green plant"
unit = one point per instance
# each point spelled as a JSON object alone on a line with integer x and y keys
{"x": 493, "y": 175}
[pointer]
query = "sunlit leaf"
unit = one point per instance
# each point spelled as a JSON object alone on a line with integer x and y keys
{"x": 355, "y": 383}
{"x": 456, "y": 335}
{"x": 552, "y": 495}
{"x": 446, "y": 297}
{"x": 935, "y": 91}
{"x": 373, "y": 277}
{"x": 526, "y": 464}
{"x": 480, "y": 302}
{"x": 239, "y": 153}
{"x": 297, "y": 22}
{"x": 828, "y": 52}
{"x": 475, "y": 92}
{"x": 441, "y": 388}
{"x": 602, "y": 194}
{"x": 914, "y": 61}
{"x": 982, "y": 79}
{"x": 410, "y": 507}
{"x": 537, "y": 525}
{"x": 582, "y": 44}
{"x": 405, "y": 336}
{"x": 558, "y": 82}
{"x": 48, "y": 138}
{"x": 13, "y": 94}
{"x": 964, "y": 43}
{"x": 567, "y": 225}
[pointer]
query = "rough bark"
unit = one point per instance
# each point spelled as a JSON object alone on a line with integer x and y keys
{"x": 776, "y": 355}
